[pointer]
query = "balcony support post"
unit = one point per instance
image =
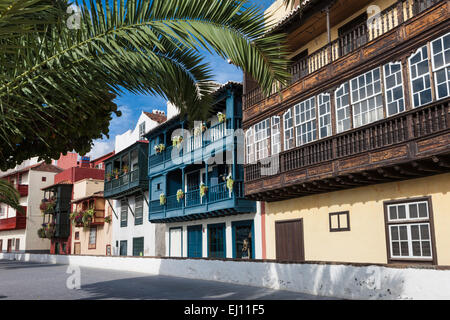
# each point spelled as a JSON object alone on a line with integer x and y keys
{"x": 112, "y": 208}
{"x": 128, "y": 204}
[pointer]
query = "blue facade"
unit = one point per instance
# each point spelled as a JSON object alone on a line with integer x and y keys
{"x": 207, "y": 157}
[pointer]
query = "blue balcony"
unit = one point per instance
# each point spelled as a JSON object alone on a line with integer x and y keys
{"x": 218, "y": 201}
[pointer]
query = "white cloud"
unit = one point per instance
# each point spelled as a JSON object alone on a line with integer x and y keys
{"x": 100, "y": 148}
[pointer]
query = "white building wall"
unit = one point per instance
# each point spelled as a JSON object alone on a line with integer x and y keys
{"x": 145, "y": 230}
{"x": 126, "y": 139}
{"x": 228, "y": 220}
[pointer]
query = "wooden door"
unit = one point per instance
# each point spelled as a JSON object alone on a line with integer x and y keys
{"x": 77, "y": 248}
{"x": 289, "y": 240}
{"x": 175, "y": 242}
{"x": 1, "y": 245}
{"x": 194, "y": 241}
{"x": 9, "y": 245}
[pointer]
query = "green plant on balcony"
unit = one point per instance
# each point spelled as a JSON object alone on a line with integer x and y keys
{"x": 162, "y": 199}
{"x": 176, "y": 141}
{"x": 88, "y": 216}
{"x": 116, "y": 173}
{"x": 200, "y": 129}
{"x": 180, "y": 195}
{"x": 203, "y": 189}
{"x": 41, "y": 233}
{"x": 47, "y": 206}
{"x": 230, "y": 183}
{"x": 76, "y": 218}
{"x": 47, "y": 231}
{"x": 160, "y": 148}
{"x": 221, "y": 117}
{"x": 108, "y": 219}
{"x": 125, "y": 169}
{"x": 108, "y": 176}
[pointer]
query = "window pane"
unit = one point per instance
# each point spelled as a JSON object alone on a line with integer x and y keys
{"x": 416, "y": 248}
{"x": 394, "y": 233}
{"x": 394, "y": 88}
{"x": 396, "y": 249}
{"x": 420, "y": 76}
{"x": 423, "y": 211}
{"x": 392, "y": 213}
{"x": 403, "y": 233}
{"x": 413, "y": 211}
{"x": 426, "y": 249}
{"x": 404, "y": 248}
{"x": 425, "y": 232}
{"x": 401, "y": 212}
{"x": 415, "y": 232}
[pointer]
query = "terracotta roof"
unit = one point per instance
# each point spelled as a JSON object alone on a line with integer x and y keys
{"x": 160, "y": 118}
{"x": 40, "y": 166}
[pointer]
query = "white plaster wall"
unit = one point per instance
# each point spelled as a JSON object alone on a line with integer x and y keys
{"x": 146, "y": 230}
{"x": 342, "y": 281}
{"x": 172, "y": 110}
{"x": 228, "y": 233}
{"x": 126, "y": 139}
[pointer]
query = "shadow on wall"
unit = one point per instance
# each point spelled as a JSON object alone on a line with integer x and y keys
{"x": 338, "y": 281}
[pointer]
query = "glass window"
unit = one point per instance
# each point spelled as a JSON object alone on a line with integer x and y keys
{"x": 441, "y": 65}
{"x": 409, "y": 230}
{"x": 243, "y": 239}
{"x": 305, "y": 121}
{"x": 92, "y": 237}
{"x": 276, "y": 143}
{"x": 249, "y": 140}
{"x": 324, "y": 107}
{"x": 141, "y": 130}
{"x": 420, "y": 77}
{"x": 216, "y": 241}
{"x": 288, "y": 122}
{"x": 138, "y": 247}
{"x": 393, "y": 86}
{"x": 262, "y": 134}
{"x": 123, "y": 248}
{"x": 367, "y": 98}
{"x": 342, "y": 97}
{"x": 123, "y": 213}
{"x": 139, "y": 210}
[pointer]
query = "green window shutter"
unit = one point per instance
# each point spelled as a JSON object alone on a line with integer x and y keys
{"x": 138, "y": 247}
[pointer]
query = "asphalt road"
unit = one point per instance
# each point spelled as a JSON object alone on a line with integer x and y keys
{"x": 35, "y": 281}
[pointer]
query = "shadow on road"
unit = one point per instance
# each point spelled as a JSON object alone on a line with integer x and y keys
{"x": 12, "y": 264}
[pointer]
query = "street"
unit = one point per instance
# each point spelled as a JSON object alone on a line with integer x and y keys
{"x": 36, "y": 281}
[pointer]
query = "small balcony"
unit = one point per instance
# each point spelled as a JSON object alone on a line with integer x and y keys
{"x": 126, "y": 172}
{"x": 19, "y": 222}
{"x": 218, "y": 200}
{"x": 196, "y": 147}
{"x": 23, "y": 190}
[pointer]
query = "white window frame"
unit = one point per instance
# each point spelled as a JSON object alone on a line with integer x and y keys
{"x": 289, "y": 143}
{"x": 276, "y": 135}
{"x": 412, "y": 79}
{"x": 262, "y": 136}
{"x": 445, "y": 66}
{"x": 92, "y": 236}
{"x": 302, "y": 110}
{"x": 376, "y": 95}
{"x": 409, "y": 222}
{"x": 390, "y": 91}
{"x": 340, "y": 105}
{"x": 250, "y": 146}
{"x": 322, "y": 117}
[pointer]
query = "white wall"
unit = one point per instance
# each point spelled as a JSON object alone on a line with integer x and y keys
{"x": 341, "y": 281}
{"x": 146, "y": 229}
{"x": 172, "y": 111}
{"x": 228, "y": 220}
{"x": 128, "y": 138}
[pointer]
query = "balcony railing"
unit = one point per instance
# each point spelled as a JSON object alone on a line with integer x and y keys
{"x": 14, "y": 223}
{"x": 410, "y": 125}
{"x": 23, "y": 189}
{"x": 215, "y": 194}
{"x": 388, "y": 19}
{"x": 122, "y": 181}
{"x": 192, "y": 143}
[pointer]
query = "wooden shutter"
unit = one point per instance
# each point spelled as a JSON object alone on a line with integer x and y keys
{"x": 289, "y": 240}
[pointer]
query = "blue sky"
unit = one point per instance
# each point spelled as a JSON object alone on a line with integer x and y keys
{"x": 131, "y": 105}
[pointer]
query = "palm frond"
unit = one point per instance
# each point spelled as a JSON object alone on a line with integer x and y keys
{"x": 9, "y": 195}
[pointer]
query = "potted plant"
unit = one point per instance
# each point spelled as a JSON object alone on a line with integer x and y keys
{"x": 108, "y": 219}
{"x": 50, "y": 230}
{"x": 41, "y": 233}
{"x": 203, "y": 190}
{"x": 221, "y": 117}
{"x": 116, "y": 173}
{"x": 177, "y": 140}
{"x": 230, "y": 183}
{"x": 87, "y": 217}
{"x": 108, "y": 176}
{"x": 77, "y": 218}
{"x": 180, "y": 195}
{"x": 125, "y": 169}
{"x": 160, "y": 148}
{"x": 162, "y": 199}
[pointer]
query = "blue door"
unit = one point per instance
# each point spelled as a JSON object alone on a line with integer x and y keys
{"x": 216, "y": 241}
{"x": 194, "y": 241}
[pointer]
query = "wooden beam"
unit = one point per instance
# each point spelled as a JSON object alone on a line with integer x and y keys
{"x": 424, "y": 167}
{"x": 386, "y": 173}
{"x": 440, "y": 161}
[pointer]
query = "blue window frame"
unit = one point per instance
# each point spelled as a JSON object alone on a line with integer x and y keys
{"x": 216, "y": 241}
{"x": 243, "y": 231}
{"x": 194, "y": 241}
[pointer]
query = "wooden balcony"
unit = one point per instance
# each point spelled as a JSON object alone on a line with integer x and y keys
{"x": 405, "y": 21}
{"x": 409, "y": 145}
{"x": 23, "y": 189}
{"x": 18, "y": 222}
